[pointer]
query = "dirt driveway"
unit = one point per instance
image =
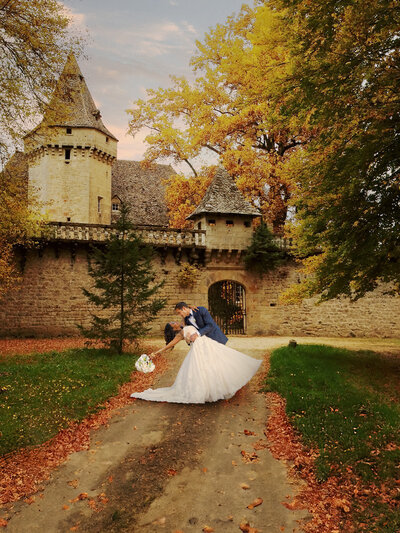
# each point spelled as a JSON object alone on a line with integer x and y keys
{"x": 167, "y": 468}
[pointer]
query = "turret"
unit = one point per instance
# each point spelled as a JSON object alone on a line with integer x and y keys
{"x": 225, "y": 214}
{"x": 70, "y": 154}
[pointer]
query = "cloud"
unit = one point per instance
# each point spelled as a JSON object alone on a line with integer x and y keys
{"x": 153, "y": 39}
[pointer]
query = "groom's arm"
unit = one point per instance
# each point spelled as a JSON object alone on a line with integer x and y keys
{"x": 208, "y": 321}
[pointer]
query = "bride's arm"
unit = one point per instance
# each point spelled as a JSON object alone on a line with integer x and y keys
{"x": 178, "y": 337}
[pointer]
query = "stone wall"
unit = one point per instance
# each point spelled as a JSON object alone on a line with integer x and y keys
{"x": 50, "y": 301}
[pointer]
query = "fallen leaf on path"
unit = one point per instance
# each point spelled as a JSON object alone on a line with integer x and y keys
{"x": 244, "y": 486}
{"x": 248, "y": 432}
{"x": 3, "y": 523}
{"x": 92, "y": 505}
{"x": 29, "y": 500}
{"x": 110, "y": 479}
{"x": 65, "y": 507}
{"x": 249, "y": 457}
{"x": 208, "y": 529}
{"x": 295, "y": 504}
{"x": 255, "y": 503}
{"x": 74, "y": 483}
{"x": 81, "y": 496}
{"x": 171, "y": 472}
{"x": 246, "y": 528}
{"x": 204, "y": 469}
{"x": 234, "y": 463}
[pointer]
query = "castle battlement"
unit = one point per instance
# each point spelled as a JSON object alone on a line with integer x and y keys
{"x": 168, "y": 237}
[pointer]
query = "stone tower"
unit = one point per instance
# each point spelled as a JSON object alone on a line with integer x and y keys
{"x": 225, "y": 215}
{"x": 70, "y": 154}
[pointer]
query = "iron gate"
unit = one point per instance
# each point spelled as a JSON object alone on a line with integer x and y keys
{"x": 226, "y": 301}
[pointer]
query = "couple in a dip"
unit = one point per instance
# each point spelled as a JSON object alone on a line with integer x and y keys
{"x": 211, "y": 371}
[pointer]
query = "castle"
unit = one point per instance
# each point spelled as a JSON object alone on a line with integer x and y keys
{"x": 71, "y": 164}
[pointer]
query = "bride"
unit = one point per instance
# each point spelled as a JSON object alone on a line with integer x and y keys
{"x": 211, "y": 371}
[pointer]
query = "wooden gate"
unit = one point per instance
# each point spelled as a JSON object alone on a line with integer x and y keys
{"x": 227, "y": 305}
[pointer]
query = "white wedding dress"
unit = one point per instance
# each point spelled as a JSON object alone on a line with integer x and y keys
{"x": 211, "y": 371}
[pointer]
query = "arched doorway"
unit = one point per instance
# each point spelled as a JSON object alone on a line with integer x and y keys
{"x": 227, "y": 305}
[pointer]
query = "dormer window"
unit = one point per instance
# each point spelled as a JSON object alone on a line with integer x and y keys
{"x": 115, "y": 205}
{"x": 211, "y": 221}
{"x": 69, "y": 131}
{"x": 229, "y": 223}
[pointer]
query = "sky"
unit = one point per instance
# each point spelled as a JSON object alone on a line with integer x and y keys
{"x": 134, "y": 45}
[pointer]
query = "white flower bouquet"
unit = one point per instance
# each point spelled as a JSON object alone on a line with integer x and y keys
{"x": 145, "y": 364}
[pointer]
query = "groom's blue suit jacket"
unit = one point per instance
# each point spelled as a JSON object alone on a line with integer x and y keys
{"x": 206, "y": 325}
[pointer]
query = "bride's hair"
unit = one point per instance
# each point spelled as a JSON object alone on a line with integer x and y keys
{"x": 169, "y": 333}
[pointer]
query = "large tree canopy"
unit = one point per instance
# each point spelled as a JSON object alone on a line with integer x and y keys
{"x": 300, "y": 101}
{"x": 34, "y": 42}
{"x": 342, "y": 79}
{"x": 225, "y": 112}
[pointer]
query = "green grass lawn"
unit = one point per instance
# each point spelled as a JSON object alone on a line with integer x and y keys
{"x": 346, "y": 404}
{"x": 42, "y": 393}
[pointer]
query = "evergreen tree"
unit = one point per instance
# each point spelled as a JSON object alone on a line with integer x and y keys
{"x": 123, "y": 285}
{"x": 263, "y": 254}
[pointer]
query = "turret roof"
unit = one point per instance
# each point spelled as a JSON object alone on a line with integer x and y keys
{"x": 223, "y": 197}
{"x": 72, "y": 104}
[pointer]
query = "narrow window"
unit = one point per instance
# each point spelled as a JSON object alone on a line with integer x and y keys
{"x": 107, "y": 139}
{"x": 199, "y": 225}
{"x": 247, "y": 223}
{"x": 69, "y": 131}
{"x": 99, "y": 199}
{"x": 67, "y": 155}
{"x": 229, "y": 223}
{"x": 211, "y": 222}
{"x": 68, "y": 219}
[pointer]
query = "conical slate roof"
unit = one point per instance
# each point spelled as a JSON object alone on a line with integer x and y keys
{"x": 223, "y": 197}
{"x": 72, "y": 104}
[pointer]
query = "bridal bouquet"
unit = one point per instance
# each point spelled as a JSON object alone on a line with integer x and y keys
{"x": 145, "y": 364}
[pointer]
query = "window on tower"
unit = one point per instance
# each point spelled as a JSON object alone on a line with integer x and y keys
{"x": 67, "y": 155}
{"x": 69, "y": 131}
{"x": 115, "y": 205}
{"x": 99, "y": 199}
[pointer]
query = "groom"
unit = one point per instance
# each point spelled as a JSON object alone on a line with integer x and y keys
{"x": 201, "y": 319}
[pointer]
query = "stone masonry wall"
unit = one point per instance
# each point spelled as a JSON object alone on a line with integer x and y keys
{"x": 50, "y": 300}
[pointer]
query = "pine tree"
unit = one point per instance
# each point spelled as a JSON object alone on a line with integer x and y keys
{"x": 123, "y": 285}
{"x": 263, "y": 254}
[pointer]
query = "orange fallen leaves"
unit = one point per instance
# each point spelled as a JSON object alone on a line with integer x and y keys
{"x": 244, "y": 486}
{"x": 249, "y": 457}
{"x": 246, "y": 528}
{"x": 247, "y": 432}
{"x": 171, "y": 472}
{"x": 255, "y": 503}
{"x": 3, "y": 523}
{"x": 327, "y": 502}
{"x": 208, "y": 529}
{"x": 65, "y": 507}
{"x": 74, "y": 483}
{"x": 24, "y": 471}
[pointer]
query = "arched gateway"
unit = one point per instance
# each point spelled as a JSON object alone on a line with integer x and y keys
{"x": 227, "y": 305}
